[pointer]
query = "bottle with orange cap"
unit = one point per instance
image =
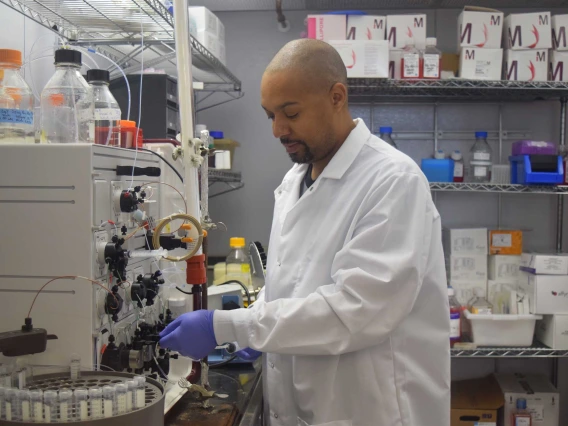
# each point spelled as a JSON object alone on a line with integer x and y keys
{"x": 238, "y": 262}
{"x": 16, "y": 100}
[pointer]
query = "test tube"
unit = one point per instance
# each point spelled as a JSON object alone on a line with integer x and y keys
{"x": 65, "y": 403}
{"x": 10, "y": 404}
{"x": 140, "y": 397}
{"x": 6, "y": 376}
{"x": 75, "y": 366}
{"x": 132, "y": 385}
{"x": 24, "y": 404}
{"x": 109, "y": 396}
{"x": 37, "y": 405}
{"x": 21, "y": 372}
{"x": 121, "y": 393}
{"x": 81, "y": 397}
{"x": 50, "y": 406}
{"x": 96, "y": 400}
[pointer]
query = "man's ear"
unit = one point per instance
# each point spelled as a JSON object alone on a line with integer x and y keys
{"x": 338, "y": 95}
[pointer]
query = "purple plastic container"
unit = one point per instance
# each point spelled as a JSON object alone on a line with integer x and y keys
{"x": 534, "y": 147}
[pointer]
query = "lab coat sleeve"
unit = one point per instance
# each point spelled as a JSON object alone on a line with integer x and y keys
{"x": 376, "y": 276}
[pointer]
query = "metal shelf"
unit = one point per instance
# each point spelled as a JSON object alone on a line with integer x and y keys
{"x": 232, "y": 179}
{"x": 498, "y": 188}
{"x": 366, "y": 90}
{"x": 115, "y": 27}
{"x": 538, "y": 350}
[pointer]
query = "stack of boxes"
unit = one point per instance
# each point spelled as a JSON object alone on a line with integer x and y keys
{"x": 505, "y": 249}
{"x": 559, "y": 56}
{"x": 544, "y": 281}
{"x": 479, "y": 40}
{"x": 527, "y": 38}
{"x": 208, "y": 30}
{"x": 403, "y": 31}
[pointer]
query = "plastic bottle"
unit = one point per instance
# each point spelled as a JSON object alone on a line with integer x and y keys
{"x": 50, "y": 406}
{"x": 238, "y": 262}
{"x": 96, "y": 402}
{"x": 431, "y": 63}
{"x": 107, "y": 111}
{"x": 67, "y": 102}
{"x": 458, "y": 166}
{"x": 65, "y": 405}
{"x": 455, "y": 317}
{"x": 410, "y": 63}
{"x": 109, "y": 397}
{"x": 521, "y": 417}
{"x": 440, "y": 154}
{"x": 479, "y": 305}
{"x": 480, "y": 159}
{"x": 385, "y": 134}
{"x": 37, "y": 405}
{"x": 16, "y": 100}
{"x": 140, "y": 396}
{"x": 81, "y": 397}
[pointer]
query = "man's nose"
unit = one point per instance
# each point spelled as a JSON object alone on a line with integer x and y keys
{"x": 280, "y": 128}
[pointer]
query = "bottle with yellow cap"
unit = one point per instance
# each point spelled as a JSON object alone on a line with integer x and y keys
{"x": 16, "y": 100}
{"x": 238, "y": 263}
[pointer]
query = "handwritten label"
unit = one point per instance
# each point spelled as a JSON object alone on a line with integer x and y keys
{"x": 107, "y": 114}
{"x": 16, "y": 116}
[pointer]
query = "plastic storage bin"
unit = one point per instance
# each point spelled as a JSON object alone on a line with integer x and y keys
{"x": 437, "y": 170}
{"x": 502, "y": 330}
{"x": 534, "y": 170}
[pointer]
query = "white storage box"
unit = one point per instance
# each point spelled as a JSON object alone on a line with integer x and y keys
{"x": 504, "y": 268}
{"x": 366, "y": 27}
{"x": 364, "y": 58}
{"x": 545, "y": 264}
{"x": 481, "y": 64}
{"x": 468, "y": 267}
{"x": 465, "y": 241}
{"x": 327, "y": 27}
{"x": 502, "y": 330}
{"x": 478, "y": 28}
{"x": 528, "y": 31}
{"x": 526, "y": 65}
{"x": 405, "y": 30}
{"x": 548, "y": 294}
{"x": 553, "y": 331}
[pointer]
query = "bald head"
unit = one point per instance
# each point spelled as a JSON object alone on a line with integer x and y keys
{"x": 313, "y": 60}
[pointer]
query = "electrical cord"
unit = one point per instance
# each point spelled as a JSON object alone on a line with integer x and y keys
{"x": 244, "y": 288}
{"x": 165, "y": 161}
{"x": 220, "y": 364}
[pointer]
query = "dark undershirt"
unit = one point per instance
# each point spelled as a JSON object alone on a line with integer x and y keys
{"x": 307, "y": 182}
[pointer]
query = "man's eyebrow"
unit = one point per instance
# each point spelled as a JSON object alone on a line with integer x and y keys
{"x": 281, "y": 106}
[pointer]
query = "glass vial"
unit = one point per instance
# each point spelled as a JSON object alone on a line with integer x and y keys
{"x": 65, "y": 405}
{"x": 10, "y": 404}
{"x": 24, "y": 403}
{"x": 21, "y": 372}
{"x": 37, "y": 405}
{"x": 75, "y": 367}
{"x": 132, "y": 385}
{"x": 121, "y": 394}
{"x": 6, "y": 375}
{"x": 140, "y": 398}
{"x": 109, "y": 396}
{"x": 50, "y": 406}
{"x": 96, "y": 401}
{"x": 81, "y": 397}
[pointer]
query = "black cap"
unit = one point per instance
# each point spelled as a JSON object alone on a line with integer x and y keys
{"x": 98, "y": 75}
{"x": 67, "y": 56}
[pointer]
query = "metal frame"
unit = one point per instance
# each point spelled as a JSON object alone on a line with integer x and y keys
{"x": 232, "y": 179}
{"x": 498, "y": 188}
{"x": 530, "y": 352}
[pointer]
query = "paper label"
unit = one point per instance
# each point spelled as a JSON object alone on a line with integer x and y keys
{"x": 537, "y": 412}
{"x": 458, "y": 169}
{"x": 502, "y": 240}
{"x": 411, "y": 65}
{"x": 482, "y": 156}
{"x": 485, "y": 424}
{"x": 431, "y": 66}
{"x": 482, "y": 69}
{"x": 481, "y": 311}
{"x": 522, "y": 421}
{"x": 16, "y": 116}
{"x": 479, "y": 171}
{"x": 454, "y": 325}
{"x": 107, "y": 114}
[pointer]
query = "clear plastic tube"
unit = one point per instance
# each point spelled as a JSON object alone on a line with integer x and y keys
{"x": 109, "y": 397}
{"x": 140, "y": 398}
{"x": 75, "y": 366}
{"x": 161, "y": 252}
{"x": 50, "y": 406}
{"x": 65, "y": 405}
{"x": 10, "y": 404}
{"x": 96, "y": 401}
{"x": 37, "y": 405}
{"x": 24, "y": 403}
{"x": 81, "y": 397}
{"x": 121, "y": 394}
{"x": 132, "y": 385}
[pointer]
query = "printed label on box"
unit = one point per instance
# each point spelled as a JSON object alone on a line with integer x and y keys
{"x": 482, "y": 69}
{"x": 502, "y": 240}
{"x": 482, "y": 156}
{"x": 479, "y": 171}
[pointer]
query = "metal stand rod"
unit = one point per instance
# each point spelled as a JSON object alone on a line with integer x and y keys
{"x": 560, "y": 200}
{"x": 499, "y": 200}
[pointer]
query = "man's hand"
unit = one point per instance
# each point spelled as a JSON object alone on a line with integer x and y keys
{"x": 248, "y": 354}
{"x": 190, "y": 334}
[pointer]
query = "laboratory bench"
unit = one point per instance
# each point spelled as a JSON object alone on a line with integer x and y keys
{"x": 243, "y": 407}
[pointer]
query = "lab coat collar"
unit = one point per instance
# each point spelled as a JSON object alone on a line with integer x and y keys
{"x": 343, "y": 158}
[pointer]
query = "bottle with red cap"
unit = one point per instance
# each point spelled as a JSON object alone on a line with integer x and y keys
{"x": 16, "y": 100}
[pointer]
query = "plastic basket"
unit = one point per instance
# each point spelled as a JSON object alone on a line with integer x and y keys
{"x": 502, "y": 330}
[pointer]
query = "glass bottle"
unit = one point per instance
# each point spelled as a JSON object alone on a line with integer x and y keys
{"x": 96, "y": 402}
{"x": 107, "y": 111}
{"x": 238, "y": 262}
{"x": 65, "y": 405}
{"x": 109, "y": 397}
{"x": 81, "y": 397}
{"x": 121, "y": 393}
{"x": 480, "y": 159}
{"x": 385, "y": 134}
{"x": 410, "y": 63}
{"x": 130, "y": 394}
{"x": 36, "y": 396}
{"x": 50, "y": 406}
{"x": 431, "y": 63}
{"x": 140, "y": 397}
{"x": 521, "y": 417}
{"x": 458, "y": 166}
{"x": 455, "y": 317}
{"x": 67, "y": 102}
{"x": 10, "y": 404}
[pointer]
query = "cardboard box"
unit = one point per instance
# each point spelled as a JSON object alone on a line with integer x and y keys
{"x": 202, "y": 19}
{"x": 364, "y": 58}
{"x": 451, "y": 62}
{"x": 544, "y": 264}
{"x": 552, "y": 330}
{"x": 468, "y": 267}
{"x": 542, "y": 398}
{"x": 327, "y": 27}
{"x": 465, "y": 241}
{"x": 209, "y": 41}
{"x": 220, "y": 31}
{"x": 504, "y": 268}
{"x": 481, "y": 64}
{"x": 559, "y": 24}
{"x": 366, "y": 27}
{"x": 548, "y": 294}
{"x": 476, "y": 402}
{"x": 395, "y": 64}
{"x": 404, "y": 30}
{"x": 465, "y": 290}
{"x": 505, "y": 242}
{"x": 479, "y": 27}
{"x": 558, "y": 66}
{"x": 528, "y": 31}
{"x": 526, "y": 65}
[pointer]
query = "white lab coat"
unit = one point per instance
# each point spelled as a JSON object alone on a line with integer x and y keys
{"x": 355, "y": 317}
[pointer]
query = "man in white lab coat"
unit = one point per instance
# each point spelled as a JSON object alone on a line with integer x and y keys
{"x": 354, "y": 319}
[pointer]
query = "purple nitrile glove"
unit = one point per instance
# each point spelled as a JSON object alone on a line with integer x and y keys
{"x": 248, "y": 354}
{"x": 191, "y": 334}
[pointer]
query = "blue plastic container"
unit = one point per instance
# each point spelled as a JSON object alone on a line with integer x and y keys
{"x": 438, "y": 170}
{"x": 522, "y": 172}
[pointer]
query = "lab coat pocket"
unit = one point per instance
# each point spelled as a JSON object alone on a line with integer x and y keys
{"x": 334, "y": 423}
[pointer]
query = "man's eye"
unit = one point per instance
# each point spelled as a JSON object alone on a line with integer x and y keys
{"x": 270, "y": 117}
{"x": 293, "y": 115}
